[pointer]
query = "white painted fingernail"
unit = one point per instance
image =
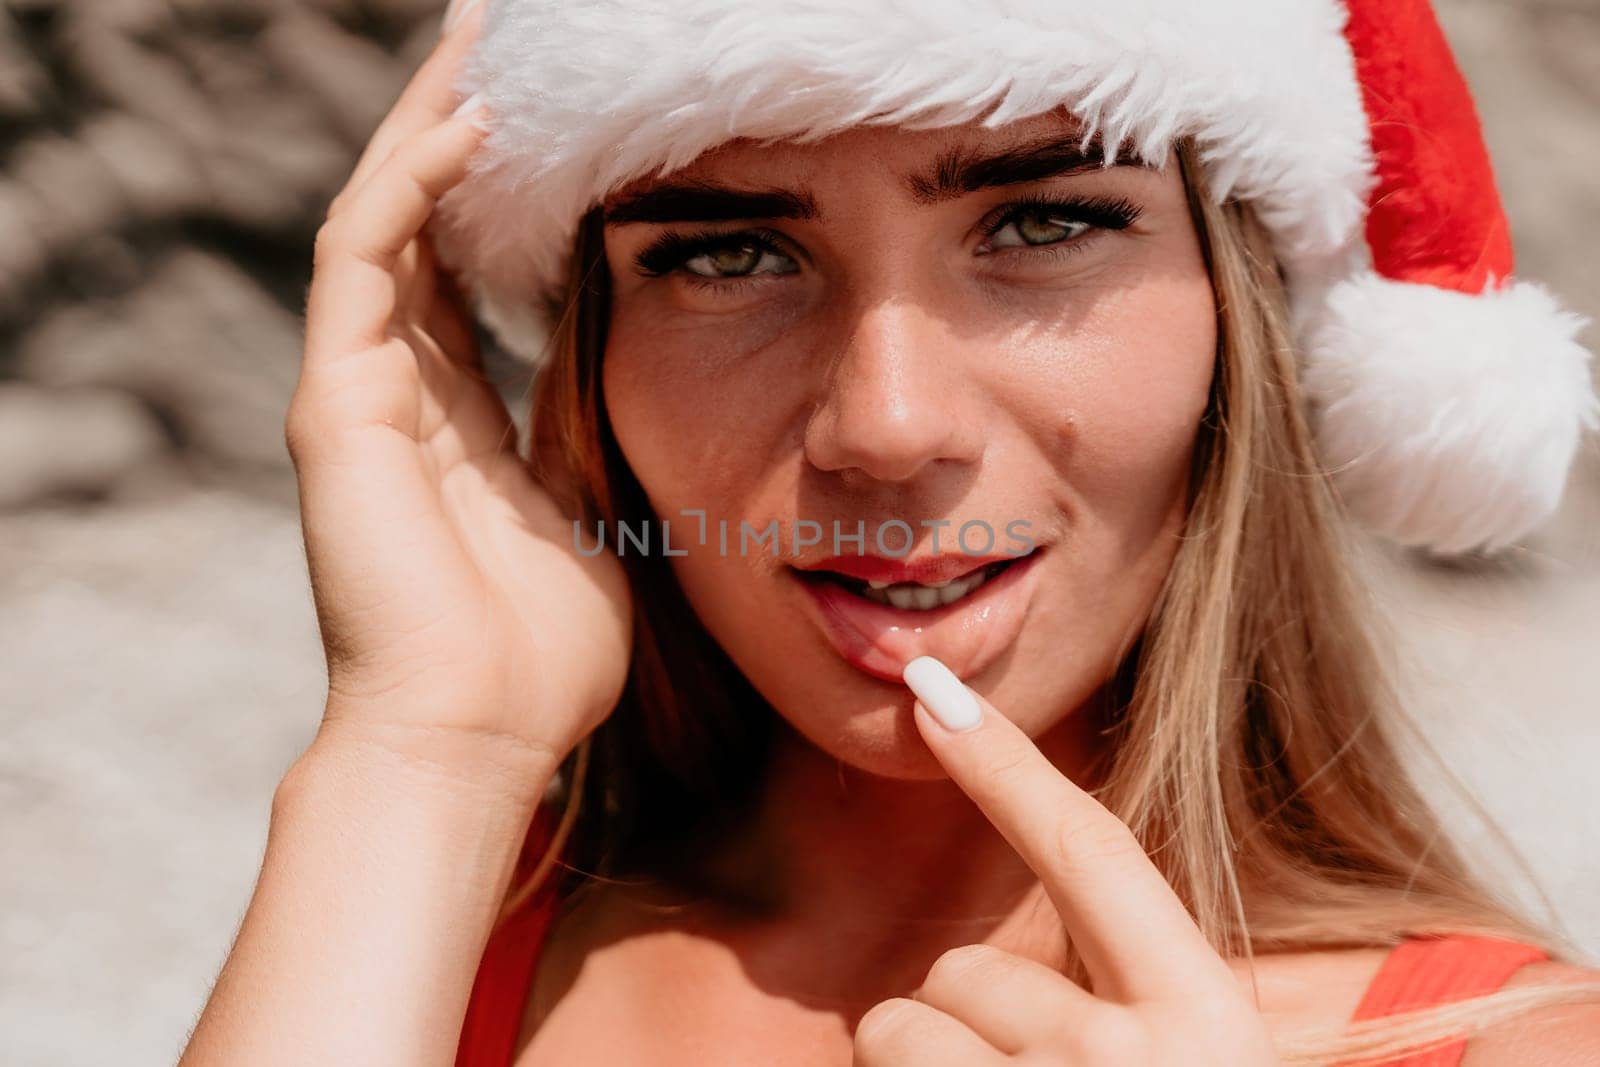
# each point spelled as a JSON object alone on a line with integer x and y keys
{"x": 455, "y": 11}
{"x": 469, "y": 105}
{"x": 942, "y": 693}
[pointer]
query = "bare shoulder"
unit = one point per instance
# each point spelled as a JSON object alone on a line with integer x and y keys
{"x": 1563, "y": 1035}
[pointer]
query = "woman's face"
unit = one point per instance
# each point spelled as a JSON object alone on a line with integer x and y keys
{"x": 984, "y": 353}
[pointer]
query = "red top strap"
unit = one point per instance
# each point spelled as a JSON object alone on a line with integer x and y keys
{"x": 1423, "y": 972}
{"x": 505, "y": 974}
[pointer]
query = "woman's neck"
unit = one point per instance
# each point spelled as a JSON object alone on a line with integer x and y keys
{"x": 876, "y": 865}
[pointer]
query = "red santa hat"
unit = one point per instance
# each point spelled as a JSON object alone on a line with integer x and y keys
{"x": 1448, "y": 398}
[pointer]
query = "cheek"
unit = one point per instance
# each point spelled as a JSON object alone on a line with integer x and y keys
{"x": 1130, "y": 398}
{"x": 699, "y": 434}
{"x": 694, "y": 430}
{"x": 1115, "y": 419}
{"x": 708, "y": 426}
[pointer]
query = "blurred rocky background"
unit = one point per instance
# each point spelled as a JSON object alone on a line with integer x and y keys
{"x": 163, "y": 168}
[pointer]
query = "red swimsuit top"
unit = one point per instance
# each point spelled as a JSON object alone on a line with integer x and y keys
{"x": 1419, "y": 972}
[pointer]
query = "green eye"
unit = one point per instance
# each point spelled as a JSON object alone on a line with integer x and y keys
{"x": 733, "y": 261}
{"x": 1042, "y": 222}
{"x": 713, "y": 255}
{"x": 1040, "y": 228}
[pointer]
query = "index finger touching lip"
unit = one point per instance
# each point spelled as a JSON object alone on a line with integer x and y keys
{"x": 1136, "y": 938}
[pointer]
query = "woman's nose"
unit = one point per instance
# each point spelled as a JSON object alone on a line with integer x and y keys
{"x": 896, "y": 399}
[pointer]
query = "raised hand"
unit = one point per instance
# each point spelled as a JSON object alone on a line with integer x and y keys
{"x": 1162, "y": 995}
{"x": 450, "y": 597}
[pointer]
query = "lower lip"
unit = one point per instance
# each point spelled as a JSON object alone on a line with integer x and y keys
{"x": 967, "y": 636}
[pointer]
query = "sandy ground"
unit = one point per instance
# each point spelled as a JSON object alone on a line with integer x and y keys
{"x": 159, "y": 666}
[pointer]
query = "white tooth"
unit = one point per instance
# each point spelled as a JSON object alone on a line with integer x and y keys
{"x": 913, "y": 596}
{"x": 902, "y": 597}
{"x": 954, "y": 592}
{"x": 877, "y": 585}
{"x": 938, "y": 585}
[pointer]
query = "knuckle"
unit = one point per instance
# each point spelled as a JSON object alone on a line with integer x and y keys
{"x": 328, "y": 241}
{"x": 883, "y": 1025}
{"x": 294, "y": 431}
{"x": 301, "y": 427}
{"x": 1081, "y": 844}
{"x": 1005, "y": 770}
{"x": 957, "y": 966}
{"x": 336, "y": 206}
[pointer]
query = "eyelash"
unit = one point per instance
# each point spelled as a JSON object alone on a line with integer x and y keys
{"x": 1103, "y": 213}
{"x": 669, "y": 252}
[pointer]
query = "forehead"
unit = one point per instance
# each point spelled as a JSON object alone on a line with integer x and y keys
{"x": 930, "y": 164}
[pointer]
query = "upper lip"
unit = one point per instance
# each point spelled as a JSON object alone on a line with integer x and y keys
{"x": 928, "y": 570}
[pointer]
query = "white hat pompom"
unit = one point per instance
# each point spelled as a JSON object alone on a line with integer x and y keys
{"x": 1448, "y": 420}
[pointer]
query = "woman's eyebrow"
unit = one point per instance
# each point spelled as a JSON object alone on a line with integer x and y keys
{"x": 708, "y": 202}
{"x": 953, "y": 173}
{"x": 962, "y": 170}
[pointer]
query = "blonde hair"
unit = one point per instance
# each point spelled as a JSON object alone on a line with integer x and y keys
{"x": 1254, "y": 730}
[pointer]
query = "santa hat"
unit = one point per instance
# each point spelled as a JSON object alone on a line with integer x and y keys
{"x": 1447, "y": 399}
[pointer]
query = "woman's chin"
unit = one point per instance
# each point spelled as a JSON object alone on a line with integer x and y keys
{"x": 877, "y": 733}
{"x": 881, "y": 741}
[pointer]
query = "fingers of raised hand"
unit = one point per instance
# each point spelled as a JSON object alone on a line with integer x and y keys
{"x": 449, "y": 316}
{"x": 429, "y": 98}
{"x": 353, "y": 291}
{"x": 360, "y": 368}
{"x": 901, "y": 1031}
